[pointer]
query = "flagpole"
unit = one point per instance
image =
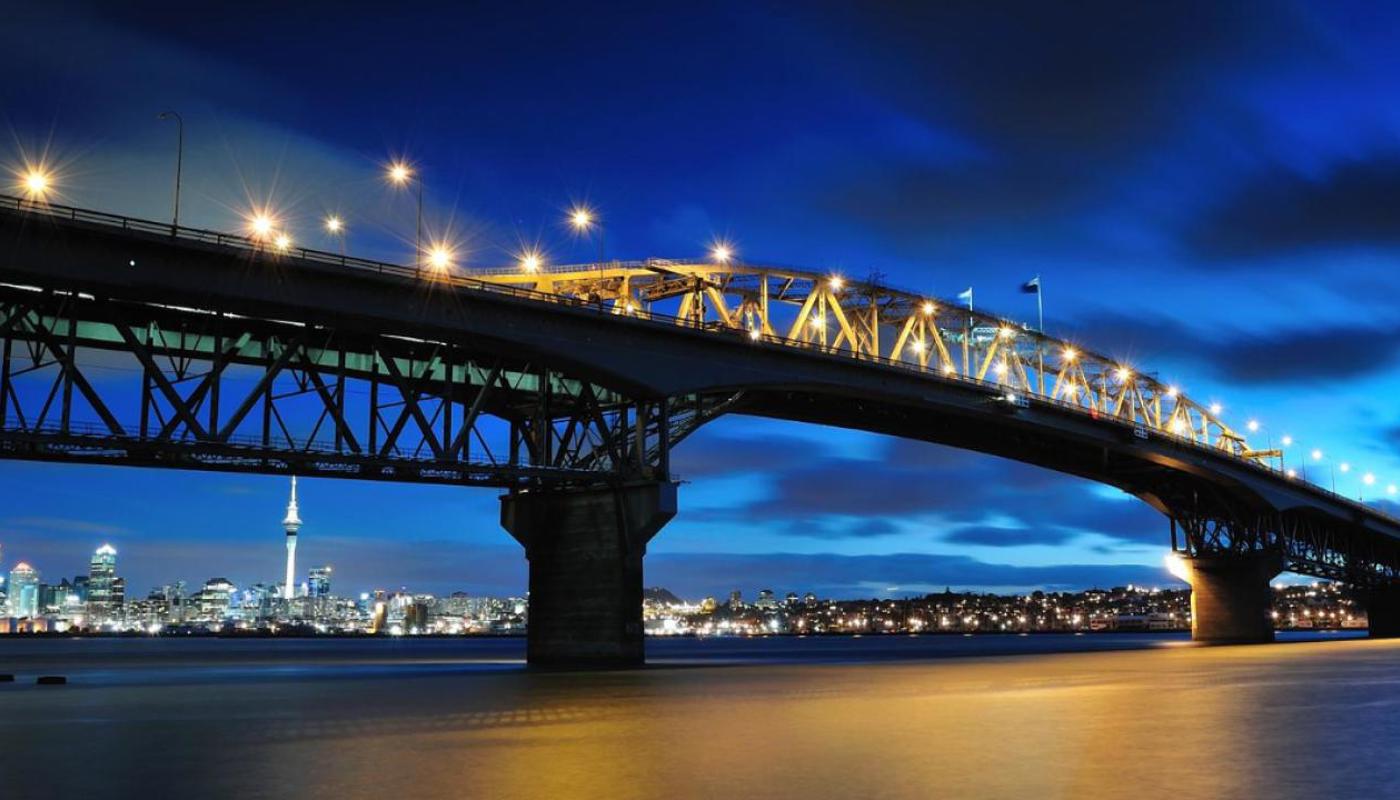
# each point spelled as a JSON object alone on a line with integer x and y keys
{"x": 1040, "y": 341}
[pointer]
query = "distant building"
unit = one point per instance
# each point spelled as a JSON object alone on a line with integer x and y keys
{"x": 766, "y": 599}
{"x": 212, "y": 602}
{"x": 318, "y": 583}
{"x": 23, "y": 595}
{"x": 102, "y": 577}
{"x": 736, "y": 599}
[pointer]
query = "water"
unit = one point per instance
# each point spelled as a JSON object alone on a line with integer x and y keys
{"x": 1146, "y": 716}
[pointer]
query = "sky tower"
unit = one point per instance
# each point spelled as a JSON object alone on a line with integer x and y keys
{"x": 292, "y": 523}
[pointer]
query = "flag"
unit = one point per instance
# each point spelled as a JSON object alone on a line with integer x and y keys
{"x": 966, "y": 296}
{"x": 1031, "y": 286}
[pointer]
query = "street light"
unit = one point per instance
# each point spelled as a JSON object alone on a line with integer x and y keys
{"x": 261, "y": 225}
{"x": 585, "y": 220}
{"x": 36, "y": 182}
{"x": 530, "y": 261}
{"x": 335, "y": 226}
{"x": 401, "y": 174}
{"x": 179, "y": 159}
{"x": 721, "y": 253}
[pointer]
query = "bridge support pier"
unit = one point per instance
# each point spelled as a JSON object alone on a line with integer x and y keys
{"x": 1230, "y": 597}
{"x": 585, "y": 548}
{"x": 1383, "y": 611}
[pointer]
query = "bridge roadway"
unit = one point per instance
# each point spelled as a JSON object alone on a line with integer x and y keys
{"x": 127, "y": 342}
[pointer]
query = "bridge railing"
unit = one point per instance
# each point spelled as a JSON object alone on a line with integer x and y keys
{"x": 998, "y": 392}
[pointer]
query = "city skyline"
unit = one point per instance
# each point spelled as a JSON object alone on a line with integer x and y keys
{"x": 933, "y": 178}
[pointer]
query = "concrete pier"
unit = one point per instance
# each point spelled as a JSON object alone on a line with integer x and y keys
{"x": 1230, "y": 597}
{"x": 1383, "y": 611}
{"x": 585, "y": 548}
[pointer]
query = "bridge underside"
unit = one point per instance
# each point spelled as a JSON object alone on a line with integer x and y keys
{"x": 200, "y": 359}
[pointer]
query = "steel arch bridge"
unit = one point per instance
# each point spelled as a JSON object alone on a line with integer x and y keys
{"x": 132, "y": 342}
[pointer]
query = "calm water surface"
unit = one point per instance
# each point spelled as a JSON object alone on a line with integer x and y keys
{"x": 1144, "y": 716}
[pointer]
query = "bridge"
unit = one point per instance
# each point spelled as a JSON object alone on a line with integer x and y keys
{"x": 132, "y": 342}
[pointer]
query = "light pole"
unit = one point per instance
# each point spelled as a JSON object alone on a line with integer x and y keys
{"x": 584, "y": 221}
{"x": 336, "y": 228}
{"x": 400, "y": 174}
{"x": 179, "y": 160}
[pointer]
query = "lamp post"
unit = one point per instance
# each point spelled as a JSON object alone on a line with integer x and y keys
{"x": 179, "y": 160}
{"x": 336, "y": 228}
{"x": 400, "y": 174}
{"x": 584, "y": 220}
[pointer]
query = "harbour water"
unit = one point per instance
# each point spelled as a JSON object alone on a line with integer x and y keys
{"x": 1143, "y": 716}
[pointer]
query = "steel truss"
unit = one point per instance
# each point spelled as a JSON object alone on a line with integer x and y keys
{"x": 89, "y": 379}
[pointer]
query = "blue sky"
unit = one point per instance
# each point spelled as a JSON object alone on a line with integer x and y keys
{"x": 1209, "y": 191}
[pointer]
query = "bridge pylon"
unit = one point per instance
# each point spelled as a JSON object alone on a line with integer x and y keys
{"x": 1230, "y": 596}
{"x": 585, "y": 547}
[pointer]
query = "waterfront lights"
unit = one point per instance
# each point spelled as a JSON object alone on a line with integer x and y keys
{"x": 1252, "y": 425}
{"x": 721, "y": 253}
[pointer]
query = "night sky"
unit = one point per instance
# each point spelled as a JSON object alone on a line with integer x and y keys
{"x": 1210, "y": 191}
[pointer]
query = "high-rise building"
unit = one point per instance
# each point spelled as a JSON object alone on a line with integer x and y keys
{"x": 24, "y": 591}
{"x": 102, "y": 574}
{"x": 318, "y": 582}
{"x": 291, "y": 524}
{"x": 213, "y": 600}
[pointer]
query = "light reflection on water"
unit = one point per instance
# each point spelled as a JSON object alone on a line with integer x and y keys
{"x": 882, "y": 717}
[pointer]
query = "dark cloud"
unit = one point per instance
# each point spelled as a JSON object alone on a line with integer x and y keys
{"x": 708, "y": 454}
{"x": 1313, "y": 355}
{"x": 1282, "y": 212}
{"x": 693, "y": 575}
{"x": 987, "y": 536}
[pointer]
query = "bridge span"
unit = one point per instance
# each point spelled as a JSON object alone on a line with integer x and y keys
{"x": 132, "y": 342}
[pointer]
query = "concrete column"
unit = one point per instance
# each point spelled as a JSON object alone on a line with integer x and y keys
{"x": 1231, "y": 598}
{"x": 1383, "y": 611}
{"x": 585, "y": 548}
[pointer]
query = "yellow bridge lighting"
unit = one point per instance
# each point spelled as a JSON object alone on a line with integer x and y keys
{"x": 1252, "y": 425}
{"x": 333, "y": 224}
{"x": 581, "y": 218}
{"x": 283, "y": 242}
{"x": 721, "y": 253}
{"x": 818, "y": 322}
{"x": 755, "y": 334}
{"x": 1178, "y": 425}
{"x": 949, "y": 369}
{"x": 1216, "y": 408}
{"x": 1123, "y": 373}
{"x": 929, "y": 308}
{"x": 1006, "y": 332}
{"x": 1068, "y": 354}
{"x": 917, "y": 345}
{"x": 1001, "y": 368}
{"x": 836, "y": 282}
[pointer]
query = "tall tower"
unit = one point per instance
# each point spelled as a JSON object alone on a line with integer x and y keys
{"x": 102, "y": 576}
{"x": 292, "y": 523}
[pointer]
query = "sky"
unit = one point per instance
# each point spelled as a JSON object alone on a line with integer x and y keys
{"x": 1209, "y": 191}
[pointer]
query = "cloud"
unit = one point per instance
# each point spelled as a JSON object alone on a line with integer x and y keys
{"x": 694, "y": 575}
{"x": 1282, "y": 212}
